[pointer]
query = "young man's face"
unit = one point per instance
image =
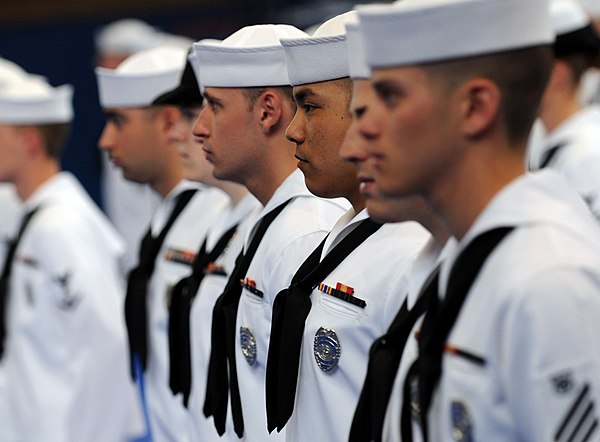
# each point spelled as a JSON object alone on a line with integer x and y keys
{"x": 416, "y": 135}
{"x": 226, "y": 129}
{"x": 318, "y": 129}
{"x": 131, "y": 137}
{"x": 361, "y": 147}
{"x": 12, "y": 152}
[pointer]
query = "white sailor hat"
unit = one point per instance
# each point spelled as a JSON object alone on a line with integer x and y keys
{"x": 10, "y": 72}
{"x": 592, "y": 7}
{"x": 30, "y": 99}
{"x": 250, "y": 57}
{"x": 126, "y": 37}
{"x": 567, "y": 16}
{"x": 141, "y": 78}
{"x": 425, "y": 31}
{"x": 322, "y": 56}
{"x": 357, "y": 64}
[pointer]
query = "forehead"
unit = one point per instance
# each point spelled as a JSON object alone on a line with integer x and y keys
{"x": 223, "y": 93}
{"x": 407, "y": 74}
{"x": 322, "y": 89}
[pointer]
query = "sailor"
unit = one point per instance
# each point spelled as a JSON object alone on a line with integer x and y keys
{"x": 505, "y": 349}
{"x": 129, "y": 205}
{"x": 141, "y": 136}
{"x": 571, "y": 143}
{"x": 360, "y": 147}
{"x": 248, "y": 107}
{"x": 346, "y": 292}
{"x": 211, "y": 267}
{"x": 63, "y": 344}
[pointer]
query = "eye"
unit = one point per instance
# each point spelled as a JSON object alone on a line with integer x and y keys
{"x": 308, "y": 108}
{"x": 117, "y": 120}
{"x": 388, "y": 94}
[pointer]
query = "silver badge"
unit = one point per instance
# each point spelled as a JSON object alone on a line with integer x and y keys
{"x": 462, "y": 425}
{"x": 248, "y": 344}
{"x": 327, "y": 349}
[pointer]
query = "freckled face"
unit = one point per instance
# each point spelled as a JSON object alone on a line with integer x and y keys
{"x": 318, "y": 130}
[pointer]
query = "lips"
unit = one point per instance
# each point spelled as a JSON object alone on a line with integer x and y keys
{"x": 300, "y": 158}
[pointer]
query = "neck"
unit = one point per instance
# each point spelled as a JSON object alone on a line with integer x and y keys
{"x": 264, "y": 185}
{"x": 35, "y": 176}
{"x": 236, "y": 192}
{"x": 461, "y": 198}
{"x": 559, "y": 109}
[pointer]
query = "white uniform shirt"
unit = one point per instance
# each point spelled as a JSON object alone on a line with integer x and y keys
{"x": 66, "y": 358}
{"x": 532, "y": 316}
{"x": 579, "y": 158}
{"x": 213, "y": 284}
{"x": 377, "y": 270}
{"x": 167, "y": 414}
{"x": 9, "y": 210}
{"x": 294, "y": 234}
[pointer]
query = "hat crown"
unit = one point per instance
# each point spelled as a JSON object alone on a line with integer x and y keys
{"x": 336, "y": 25}
{"x": 261, "y": 36}
{"x": 567, "y": 16}
{"x": 155, "y": 60}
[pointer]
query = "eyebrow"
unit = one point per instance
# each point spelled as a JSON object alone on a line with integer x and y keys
{"x": 112, "y": 114}
{"x": 210, "y": 97}
{"x": 303, "y": 94}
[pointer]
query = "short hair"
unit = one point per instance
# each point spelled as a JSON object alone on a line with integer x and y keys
{"x": 578, "y": 64}
{"x": 54, "y": 137}
{"x": 521, "y": 75}
{"x": 253, "y": 93}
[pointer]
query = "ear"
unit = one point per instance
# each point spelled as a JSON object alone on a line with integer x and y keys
{"x": 269, "y": 108}
{"x": 480, "y": 106}
{"x": 169, "y": 120}
{"x": 32, "y": 141}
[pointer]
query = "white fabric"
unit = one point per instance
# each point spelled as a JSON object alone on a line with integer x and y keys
{"x": 66, "y": 360}
{"x": 422, "y": 31}
{"x": 9, "y": 210}
{"x": 357, "y": 63}
{"x": 294, "y": 234}
{"x": 167, "y": 415}
{"x": 378, "y": 271}
{"x": 322, "y": 56}
{"x": 32, "y": 100}
{"x": 567, "y": 16}
{"x": 10, "y": 72}
{"x": 531, "y": 314}
{"x": 244, "y": 213}
{"x": 142, "y": 77}
{"x": 126, "y": 37}
{"x": 250, "y": 57}
{"x": 592, "y": 7}
{"x": 579, "y": 158}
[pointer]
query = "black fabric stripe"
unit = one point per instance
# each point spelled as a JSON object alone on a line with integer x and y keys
{"x": 591, "y": 431}
{"x": 585, "y": 390}
{"x": 471, "y": 357}
{"x": 581, "y": 420}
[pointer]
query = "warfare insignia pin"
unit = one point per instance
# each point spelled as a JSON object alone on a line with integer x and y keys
{"x": 462, "y": 424}
{"x": 327, "y": 349}
{"x": 248, "y": 344}
{"x": 415, "y": 405}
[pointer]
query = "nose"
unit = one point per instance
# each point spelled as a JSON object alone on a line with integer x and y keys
{"x": 295, "y": 130}
{"x": 107, "y": 139}
{"x": 201, "y": 128}
{"x": 353, "y": 149}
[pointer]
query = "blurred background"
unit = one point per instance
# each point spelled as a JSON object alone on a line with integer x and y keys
{"x": 56, "y": 38}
